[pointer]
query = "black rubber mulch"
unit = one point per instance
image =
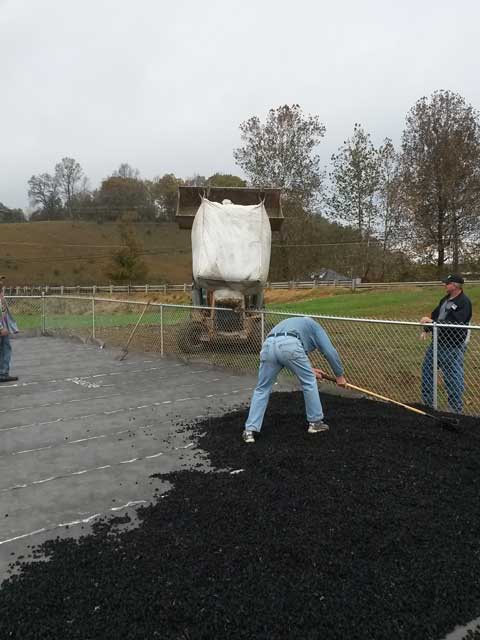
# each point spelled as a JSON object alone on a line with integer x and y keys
{"x": 369, "y": 531}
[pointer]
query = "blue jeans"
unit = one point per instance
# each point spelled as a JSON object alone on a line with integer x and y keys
{"x": 276, "y": 353}
{"x": 450, "y": 362}
{"x": 5, "y": 356}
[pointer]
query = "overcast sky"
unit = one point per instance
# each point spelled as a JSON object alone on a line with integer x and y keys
{"x": 164, "y": 85}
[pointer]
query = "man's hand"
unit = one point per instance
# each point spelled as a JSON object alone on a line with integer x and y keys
{"x": 341, "y": 382}
{"x": 319, "y": 374}
{"x": 426, "y": 320}
{"x": 3, "y": 332}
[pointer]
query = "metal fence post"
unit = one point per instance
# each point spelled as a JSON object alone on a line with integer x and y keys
{"x": 44, "y": 324}
{"x": 93, "y": 318}
{"x": 435, "y": 366}
{"x": 263, "y": 326}
{"x": 161, "y": 330}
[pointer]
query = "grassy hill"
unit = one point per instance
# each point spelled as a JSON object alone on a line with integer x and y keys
{"x": 80, "y": 252}
{"x": 67, "y": 252}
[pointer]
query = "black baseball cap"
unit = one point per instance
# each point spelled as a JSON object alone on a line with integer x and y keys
{"x": 453, "y": 277}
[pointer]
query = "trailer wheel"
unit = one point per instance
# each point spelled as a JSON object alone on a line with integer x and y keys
{"x": 189, "y": 337}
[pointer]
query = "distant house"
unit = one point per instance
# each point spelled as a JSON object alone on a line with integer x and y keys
{"x": 329, "y": 275}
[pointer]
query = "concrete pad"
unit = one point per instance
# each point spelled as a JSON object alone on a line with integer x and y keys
{"x": 81, "y": 434}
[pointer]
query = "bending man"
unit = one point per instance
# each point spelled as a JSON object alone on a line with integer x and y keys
{"x": 287, "y": 345}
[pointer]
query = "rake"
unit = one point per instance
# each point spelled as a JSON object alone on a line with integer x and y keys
{"x": 449, "y": 422}
{"x": 123, "y": 354}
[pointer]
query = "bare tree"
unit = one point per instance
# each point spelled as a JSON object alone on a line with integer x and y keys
{"x": 69, "y": 177}
{"x": 281, "y": 152}
{"x": 43, "y": 190}
{"x": 353, "y": 184}
{"x": 390, "y": 216}
{"x": 126, "y": 171}
{"x": 196, "y": 180}
{"x": 441, "y": 173}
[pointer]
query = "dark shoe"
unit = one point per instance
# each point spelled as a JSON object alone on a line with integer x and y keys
{"x": 9, "y": 379}
{"x": 317, "y": 427}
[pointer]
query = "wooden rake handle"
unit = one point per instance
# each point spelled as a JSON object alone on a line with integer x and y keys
{"x": 136, "y": 326}
{"x": 380, "y": 397}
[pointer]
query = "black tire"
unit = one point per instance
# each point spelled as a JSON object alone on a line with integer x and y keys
{"x": 189, "y": 337}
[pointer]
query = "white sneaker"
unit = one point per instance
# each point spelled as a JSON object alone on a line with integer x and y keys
{"x": 248, "y": 436}
{"x": 317, "y": 427}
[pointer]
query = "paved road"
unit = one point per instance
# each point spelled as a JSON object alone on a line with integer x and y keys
{"x": 81, "y": 433}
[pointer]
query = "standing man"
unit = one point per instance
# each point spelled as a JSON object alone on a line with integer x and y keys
{"x": 453, "y": 308}
{"x": 287, "y": 345}
{"x": 7, "y": 326}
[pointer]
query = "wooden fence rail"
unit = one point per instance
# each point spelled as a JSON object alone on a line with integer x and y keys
{"x": 93, "y": 290}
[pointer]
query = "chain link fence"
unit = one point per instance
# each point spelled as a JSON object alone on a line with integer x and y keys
{"x": 392, "y": 358}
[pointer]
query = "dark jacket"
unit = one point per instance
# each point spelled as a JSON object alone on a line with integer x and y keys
{"x": 460, "y": 313}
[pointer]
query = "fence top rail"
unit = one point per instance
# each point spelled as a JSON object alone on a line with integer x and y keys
{"x": 414, "y": 323}
{"x": 259, "y": 311}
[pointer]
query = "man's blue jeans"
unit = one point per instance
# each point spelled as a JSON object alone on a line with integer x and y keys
{"x": 450, "y": 362}
{"x": 276, "y": 353}
{"x": 5, "y": 356}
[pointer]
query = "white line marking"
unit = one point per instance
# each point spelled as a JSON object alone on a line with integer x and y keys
{"x": 83, "y": 440}
{"x": 16, "y": 453}
{"x": 44, "y": 480}
{"x": 132, "y": 503}
{"x": 82, "y": 521}
{"x": 125, "y": 409}
{"x": 24, "y": 535}
{"x": 58, "y": 404}
{"x": 74, "y": 473}
{"x": 84, "y": 383}
{"x": 87, "y": 520}
{"x": 114, "y": 373}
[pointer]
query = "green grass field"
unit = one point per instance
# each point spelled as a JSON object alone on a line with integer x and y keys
{"x": 394, "y": 304}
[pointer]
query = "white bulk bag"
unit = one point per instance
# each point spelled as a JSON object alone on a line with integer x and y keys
{"x": 231, "y": 246}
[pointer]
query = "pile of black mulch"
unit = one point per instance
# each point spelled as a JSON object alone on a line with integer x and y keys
{"x": 369, "y": 531}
